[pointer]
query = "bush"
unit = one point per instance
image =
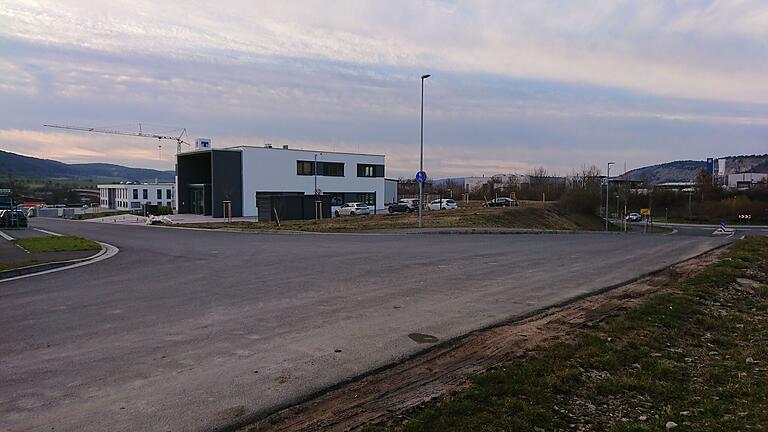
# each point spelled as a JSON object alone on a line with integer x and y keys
{"x": 582, "y": 201}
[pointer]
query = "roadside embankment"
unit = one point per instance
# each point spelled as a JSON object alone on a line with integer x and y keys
{"x": 693, "y": 357}
{"x": 540, "y": 217}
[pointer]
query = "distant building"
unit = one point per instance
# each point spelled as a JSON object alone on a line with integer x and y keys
{"x": 130, "y": 196}
{"x": 745, "y": 180}
{"x": 279, "y": 183}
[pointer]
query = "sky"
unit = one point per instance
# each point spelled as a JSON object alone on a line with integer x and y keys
{"x": 515, "y": 84}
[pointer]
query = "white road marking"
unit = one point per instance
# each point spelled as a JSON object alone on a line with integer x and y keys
{"x": 109, "y": 252}
{"x": 47, "y": 232}
{"x": 6, "y": 236}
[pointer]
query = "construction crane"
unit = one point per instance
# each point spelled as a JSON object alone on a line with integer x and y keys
{"x": 140, "y": 133}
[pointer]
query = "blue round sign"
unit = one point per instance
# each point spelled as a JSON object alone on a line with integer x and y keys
{"x": 421, "y": 176}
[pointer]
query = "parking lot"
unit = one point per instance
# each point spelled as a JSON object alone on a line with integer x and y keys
{"x": 190, "y": 330}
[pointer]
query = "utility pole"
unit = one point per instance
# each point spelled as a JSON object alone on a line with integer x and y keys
{"x": 421, "y": 156}
{"x": 607, "y": 185}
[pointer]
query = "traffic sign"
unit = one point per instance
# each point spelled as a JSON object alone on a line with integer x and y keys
{"x": 421, "y": 176}
{"x": 745, "y": 216}
{"x": 645, "y": 211}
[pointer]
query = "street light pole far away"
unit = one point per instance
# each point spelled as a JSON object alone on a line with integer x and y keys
{"x": 607, "y": 185}
{"x": 421, "y": 156}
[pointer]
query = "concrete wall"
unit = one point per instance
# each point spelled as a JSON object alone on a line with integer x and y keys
{"x": 274, "y": 170}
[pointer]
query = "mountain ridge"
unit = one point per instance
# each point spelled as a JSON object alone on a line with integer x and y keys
{"x": 687, "y": 170}
{"x": 27, "y": 166}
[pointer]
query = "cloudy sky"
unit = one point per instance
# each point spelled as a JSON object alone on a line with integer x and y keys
{"x": 515, "y": 84}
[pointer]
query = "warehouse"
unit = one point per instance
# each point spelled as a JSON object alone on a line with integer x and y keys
{"x": 269, "y": 183}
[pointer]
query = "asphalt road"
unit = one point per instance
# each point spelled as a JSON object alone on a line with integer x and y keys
{"x": 186, "y": 330}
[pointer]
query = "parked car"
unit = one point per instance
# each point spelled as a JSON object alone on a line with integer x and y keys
{"x": 443, "y": 204}
{"x": 412, "y": 203}
{"x": 13, "y": 219}
{"x": 404, "y": 205}
{"x": 634, "y": 217}
{"x": 353, "y": 209}
{"x": 501, "y": 202}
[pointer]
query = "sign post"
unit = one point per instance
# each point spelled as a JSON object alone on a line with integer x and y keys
{"x": 646, "y": 213}
{"x": 746, "y": 217}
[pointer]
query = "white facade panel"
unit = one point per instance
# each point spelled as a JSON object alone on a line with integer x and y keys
{"x": 132, "y": 196}
{"x": 275, "y": 170}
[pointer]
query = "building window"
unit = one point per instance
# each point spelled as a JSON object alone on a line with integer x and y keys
{"x": 332, "y": 169}
{"x": 135, "y": 194}
{"x": 370, "y": 170}
{"x": 304, "y": 168}
{"x": 168, "y": 194}
{"x": 159, "y": 194}
{"x": 145, "y": 194}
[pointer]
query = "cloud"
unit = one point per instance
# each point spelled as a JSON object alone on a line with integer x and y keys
{"x": 656, "y": 47}
{"x": 515, "y": 84}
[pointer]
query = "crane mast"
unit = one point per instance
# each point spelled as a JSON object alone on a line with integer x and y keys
{"x": 140, "y": 133}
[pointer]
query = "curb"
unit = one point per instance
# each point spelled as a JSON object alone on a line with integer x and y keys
{"x": 107, "y": 251}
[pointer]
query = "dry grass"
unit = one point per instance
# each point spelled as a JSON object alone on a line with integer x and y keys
{"x": 530, "y": 215}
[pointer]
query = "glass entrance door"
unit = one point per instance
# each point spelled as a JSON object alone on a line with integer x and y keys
{"x": 197, "y": 201}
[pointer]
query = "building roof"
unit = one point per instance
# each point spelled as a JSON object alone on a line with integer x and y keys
{"x": 299, "y": 150}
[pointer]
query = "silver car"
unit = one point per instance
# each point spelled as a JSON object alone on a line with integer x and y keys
{"x": 353, "y": 209}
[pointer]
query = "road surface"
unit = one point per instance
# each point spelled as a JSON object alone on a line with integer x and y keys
{"x": 190, "y": 330}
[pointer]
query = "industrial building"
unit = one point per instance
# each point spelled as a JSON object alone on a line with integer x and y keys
{"x": 132, "y": 195}
{"x": 278, "y": 183}
{"x": 743, "y": 181}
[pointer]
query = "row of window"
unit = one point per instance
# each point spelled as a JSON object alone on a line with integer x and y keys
{"x": 133, "y": 204}
{"x": 336, "y": 169}
{"x": 338, "y": 198}
{"x": 123, "y": 193}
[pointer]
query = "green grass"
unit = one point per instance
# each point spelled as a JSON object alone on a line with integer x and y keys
{"x": 682, "y": 356}
{"x": 19, "y": 264}
{"x": 57, "y": 244}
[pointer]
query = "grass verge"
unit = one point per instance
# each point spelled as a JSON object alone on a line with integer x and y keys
{"x": 539, "y": 217}
{"x": 57, "y": 244}
{"x": 19, "y": 264}
{"x": 694, "y": 358}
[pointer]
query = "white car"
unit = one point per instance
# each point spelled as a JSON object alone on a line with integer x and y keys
{"x": 443, "y": 204}
{"x": 353, "y": 209}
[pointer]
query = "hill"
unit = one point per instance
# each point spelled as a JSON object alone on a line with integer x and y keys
{"x": 25, "y": 166}
{"x": 687, "y": 170}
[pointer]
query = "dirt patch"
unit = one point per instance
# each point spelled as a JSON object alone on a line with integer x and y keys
{"x": 395, "y": 391}
{"x": 538, "y": 216}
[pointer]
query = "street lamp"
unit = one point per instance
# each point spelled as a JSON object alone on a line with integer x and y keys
{"x": 607, "y": 184}
{"x": 314, "y": 171}
{"x": 421, "y": 156}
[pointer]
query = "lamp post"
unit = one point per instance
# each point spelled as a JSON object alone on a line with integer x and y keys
{"x": 314, "y": 171}
{"x": 607, "y": 185}
{"x": 421, "y": 156}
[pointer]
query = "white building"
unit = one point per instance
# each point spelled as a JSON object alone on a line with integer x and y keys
{"x": 262, "y": 181}
{"x": 745, "y": 180}
{"x": 131, "y": 195}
